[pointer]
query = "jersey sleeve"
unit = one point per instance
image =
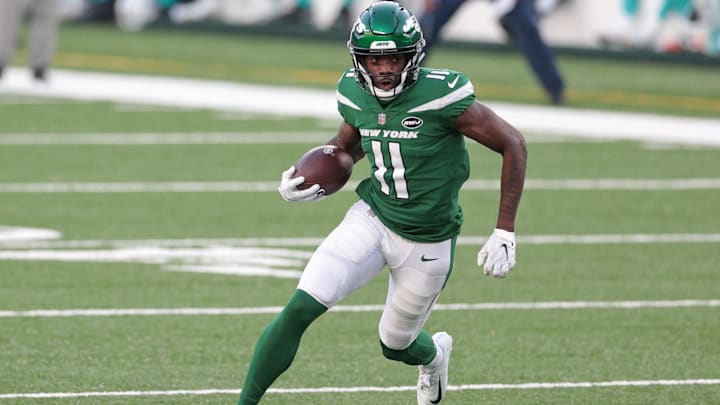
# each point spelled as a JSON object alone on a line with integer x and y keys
{"x": 460, "y": 96}
{"x": 345, "y": 93}
{"x": 452, "y": 94}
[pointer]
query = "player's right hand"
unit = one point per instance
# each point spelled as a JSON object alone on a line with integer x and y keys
{"x": 289, "y": 191}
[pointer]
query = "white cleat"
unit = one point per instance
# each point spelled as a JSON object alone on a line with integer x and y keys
{"x": 433, "y": 381}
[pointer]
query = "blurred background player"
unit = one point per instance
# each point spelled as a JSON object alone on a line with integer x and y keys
{"x": 519, "y": 20}
{"x": 44, "y": 21}
{"x": 677, "y": 26}
{"x": 302, "y": 14}
{"x": 710, "y": 16}
{"x": 547, "y": 7}
{"x": 136, "y": 15}
{"x": 704, "y": 34}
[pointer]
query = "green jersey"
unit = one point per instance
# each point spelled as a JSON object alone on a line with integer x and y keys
{"x": 418, "y": 160}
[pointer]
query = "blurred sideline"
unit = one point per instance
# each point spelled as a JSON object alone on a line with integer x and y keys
{"x": 297, "y": 102}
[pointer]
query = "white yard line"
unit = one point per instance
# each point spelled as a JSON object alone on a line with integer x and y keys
{"x": 487, "y": 306}
{"x": 586, "y": 239}
{"x": 150, "y": 138}
{"x": 233, "y": 138}
{"x": 297, "y": 102}
{"x": 271, "y": 186}
{"x": 350, "y": 390}
{"x": 226, "y": 138}
{"x": 245, "y": 257}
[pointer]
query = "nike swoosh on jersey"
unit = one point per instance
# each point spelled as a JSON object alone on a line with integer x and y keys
{"x": 454, "y": 82}
{"x": 427, "y": 259}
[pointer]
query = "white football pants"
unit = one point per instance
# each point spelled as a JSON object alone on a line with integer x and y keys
{"x": 357, "y": 250}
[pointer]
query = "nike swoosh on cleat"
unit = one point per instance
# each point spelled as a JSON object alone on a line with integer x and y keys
{"x": 454, "y": 82}
{"x": 439, "y": 398}
{"x": 427, "y": 259}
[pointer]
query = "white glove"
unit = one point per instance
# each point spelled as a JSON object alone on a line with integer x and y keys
{"x": 289, "y": 191}
{"x": 497, "y": 256}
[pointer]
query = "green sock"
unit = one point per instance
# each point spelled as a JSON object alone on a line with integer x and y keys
{"x": 277, "y": 345}
{"x": 421, "y": 351}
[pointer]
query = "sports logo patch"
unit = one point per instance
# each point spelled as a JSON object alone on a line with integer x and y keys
{"x": 382, "y": 118}
{"x": 383, "y": 45}
{"x": 412, "y": 122}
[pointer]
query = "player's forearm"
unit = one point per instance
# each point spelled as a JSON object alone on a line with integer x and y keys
{"x": 511, "y": 183}
{"x": 348, "y": 138}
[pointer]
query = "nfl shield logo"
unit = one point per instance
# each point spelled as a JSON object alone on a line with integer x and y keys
{"x": 382, "y": 117}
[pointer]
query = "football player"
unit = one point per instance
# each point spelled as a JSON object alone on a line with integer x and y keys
{"x": 411, "y": 123}
{"x": 519, "y": 20}
{"x": 43, "y": 16}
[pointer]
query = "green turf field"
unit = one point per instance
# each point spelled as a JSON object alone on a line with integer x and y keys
{"x": 615, "y": 299}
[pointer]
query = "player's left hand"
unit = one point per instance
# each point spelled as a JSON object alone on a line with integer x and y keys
{"x": 497, "y": 256}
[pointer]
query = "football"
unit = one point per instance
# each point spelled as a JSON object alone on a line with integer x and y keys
{"x": 326, "y": 165}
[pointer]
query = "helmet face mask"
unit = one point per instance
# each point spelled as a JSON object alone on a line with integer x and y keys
{"x": 386, "y": 28}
